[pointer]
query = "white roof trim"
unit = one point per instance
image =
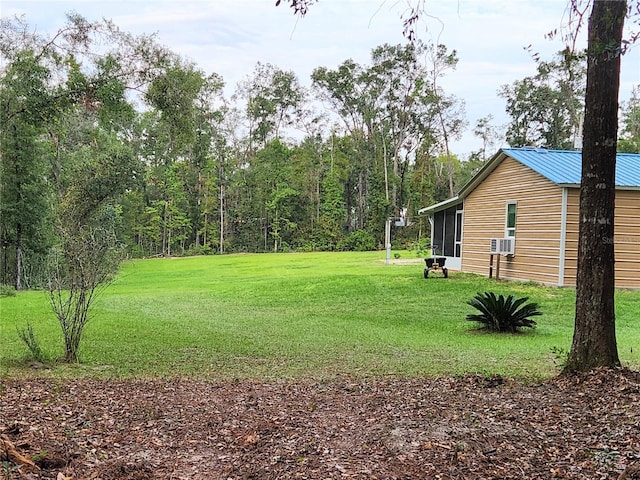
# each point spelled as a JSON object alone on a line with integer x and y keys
{"x": 439, "y": 206}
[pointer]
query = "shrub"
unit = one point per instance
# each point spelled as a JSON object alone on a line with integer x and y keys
{"x": 29, "y": 338}
{"x": 503, "y": 314}
{"x": 422, "y": 247}
{"x": 7, "y": 291}
{"x": 358, "y": 241}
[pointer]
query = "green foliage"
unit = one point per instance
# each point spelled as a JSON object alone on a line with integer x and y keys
{"x": 560, "y": 354}
{"x": 358, "y": 241}
{"x": 28, "y": 337}
{"x": 629, "y": 138}
{"x": 195, "y": 172}
{"x": 421, "y": 247}
{"x": 545, "y": 108}
{"x": 7, "y": 291}
{"x": 503, "y": 314}
{"x": 26, "y": 105}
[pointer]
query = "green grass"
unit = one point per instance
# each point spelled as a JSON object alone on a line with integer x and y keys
{"x": 298, "y": 315}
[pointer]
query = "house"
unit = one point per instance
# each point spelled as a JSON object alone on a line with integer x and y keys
{"x": 531, "y": 196}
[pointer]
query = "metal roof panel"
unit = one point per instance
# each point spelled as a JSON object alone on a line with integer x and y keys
{"x": 565, "y": 166}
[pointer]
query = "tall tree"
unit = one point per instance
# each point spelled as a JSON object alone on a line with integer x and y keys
{"x": 26, "y": 105}
{"x": 545, "y": 108}
{"x": 273, "y": 101}
{"x": 629, "y": 140}
{"x": 594, "y": 337}
{"x": 490, "y": 136}
{"x": 41, "y": 81}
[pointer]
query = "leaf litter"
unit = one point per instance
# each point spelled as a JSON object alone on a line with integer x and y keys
{"x": 468, "y": 427}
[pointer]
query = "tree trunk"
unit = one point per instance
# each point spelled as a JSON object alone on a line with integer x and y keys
{"x": 18, "y": 282}
{"x": 361, "y": 199}
{"x": 222, "y": 203}
{"x": 594, "y": 338}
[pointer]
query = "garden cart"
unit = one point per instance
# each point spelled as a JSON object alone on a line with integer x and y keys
{"x": 436, "y": 265}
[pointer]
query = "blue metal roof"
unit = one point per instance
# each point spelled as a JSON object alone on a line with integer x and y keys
{"x": 564, "y": 167}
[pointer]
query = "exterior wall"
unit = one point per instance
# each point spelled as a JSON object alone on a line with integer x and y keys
{"x": 627, "y": 238}
{"x": 571, "y": 243}
{"x": 538, "y": 251}
{"x": 538, "y": 224}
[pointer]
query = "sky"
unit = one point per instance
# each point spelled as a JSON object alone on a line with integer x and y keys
{"x": 229, "y": 37}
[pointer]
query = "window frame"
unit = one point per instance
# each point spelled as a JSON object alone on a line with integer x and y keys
{"x": 510, "y": 229}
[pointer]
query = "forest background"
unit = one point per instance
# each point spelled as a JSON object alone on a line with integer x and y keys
{"x": 115, "y": 136}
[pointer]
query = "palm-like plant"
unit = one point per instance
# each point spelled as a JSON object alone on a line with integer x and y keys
{"x": 503, "y": 314}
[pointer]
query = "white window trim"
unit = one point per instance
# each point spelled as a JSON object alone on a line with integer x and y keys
{"x": 506, "y": 219}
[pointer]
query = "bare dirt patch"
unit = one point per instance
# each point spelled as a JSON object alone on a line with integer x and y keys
{"x": 574, "y": 427}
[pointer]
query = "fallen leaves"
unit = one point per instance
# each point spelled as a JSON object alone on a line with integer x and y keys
{"x": 572, "y": 427}
{"x": 8, "y": 453}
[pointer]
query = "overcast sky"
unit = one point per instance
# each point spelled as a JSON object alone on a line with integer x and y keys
{"x": 229, "y": 37}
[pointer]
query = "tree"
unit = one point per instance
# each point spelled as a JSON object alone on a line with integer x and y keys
{"x": 629, "y": 140}
{"x": 86, "y": 255}
{"x": 545, "y": 108}
{"x": 69, "y": 154}
{"x": 392, "y": 111}
{"x": 273, "y": 101}
{"x": 489, "y": 134}
{"x": 26, "y": 105}
{"x": 81, "y": 266}
{"x": 594, "y": 336}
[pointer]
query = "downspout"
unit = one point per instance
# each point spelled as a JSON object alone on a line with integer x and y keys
{"x": 563, "y": 236}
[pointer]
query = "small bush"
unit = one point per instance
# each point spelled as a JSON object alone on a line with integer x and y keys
{"x": 30, "y": 340}
{"x": 7, "y": 291}
{"x": 358, "y": 241}
{"x": 561, "y": 355}
{"x": 422, "y": 247}
{"x": 503, "y": 314}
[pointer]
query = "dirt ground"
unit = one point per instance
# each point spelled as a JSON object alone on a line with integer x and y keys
{"x": 579, "y": 427}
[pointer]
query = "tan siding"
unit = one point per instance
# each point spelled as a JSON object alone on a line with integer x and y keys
{"x": 571, "y": 243}
{"x": 538, "y": 228}
{"x": 538, "y": 218}
{"x": 627, "y": 239}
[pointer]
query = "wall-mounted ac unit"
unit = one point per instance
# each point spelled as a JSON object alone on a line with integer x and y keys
{"x": 502, "y": 246}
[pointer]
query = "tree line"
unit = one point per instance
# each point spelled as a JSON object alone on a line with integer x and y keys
{"x": 112, "y": 141}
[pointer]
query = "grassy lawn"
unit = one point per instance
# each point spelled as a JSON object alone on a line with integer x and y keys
{"x": 299, "y": 315}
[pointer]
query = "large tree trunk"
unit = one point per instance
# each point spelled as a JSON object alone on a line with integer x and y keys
{"x": 594, "y": 338}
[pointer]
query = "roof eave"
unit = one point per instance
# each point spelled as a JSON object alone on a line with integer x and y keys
{"x": 618, "y": 187}
{"x": 483, "y": 173}
{"x": 468, "y": 187}
{"x": 440, "y": 206}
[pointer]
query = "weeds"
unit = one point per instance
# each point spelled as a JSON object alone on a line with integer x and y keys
{"x": 29, "y": 338}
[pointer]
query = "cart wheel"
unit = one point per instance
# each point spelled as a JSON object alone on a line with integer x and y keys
{"x": 426, "y": 273}
{"x": 445, "y": 271}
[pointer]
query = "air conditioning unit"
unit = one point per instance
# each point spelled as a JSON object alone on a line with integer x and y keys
{"x": 502, "y": 246}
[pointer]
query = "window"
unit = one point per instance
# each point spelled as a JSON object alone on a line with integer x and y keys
{"x": 511, "y": 220}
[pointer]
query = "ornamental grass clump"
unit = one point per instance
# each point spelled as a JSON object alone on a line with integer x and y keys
{"x": 503, "y": 314}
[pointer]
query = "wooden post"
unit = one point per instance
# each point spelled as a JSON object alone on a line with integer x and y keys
{"x": 498, "y": 268}
{"x": 491, "y": 265}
